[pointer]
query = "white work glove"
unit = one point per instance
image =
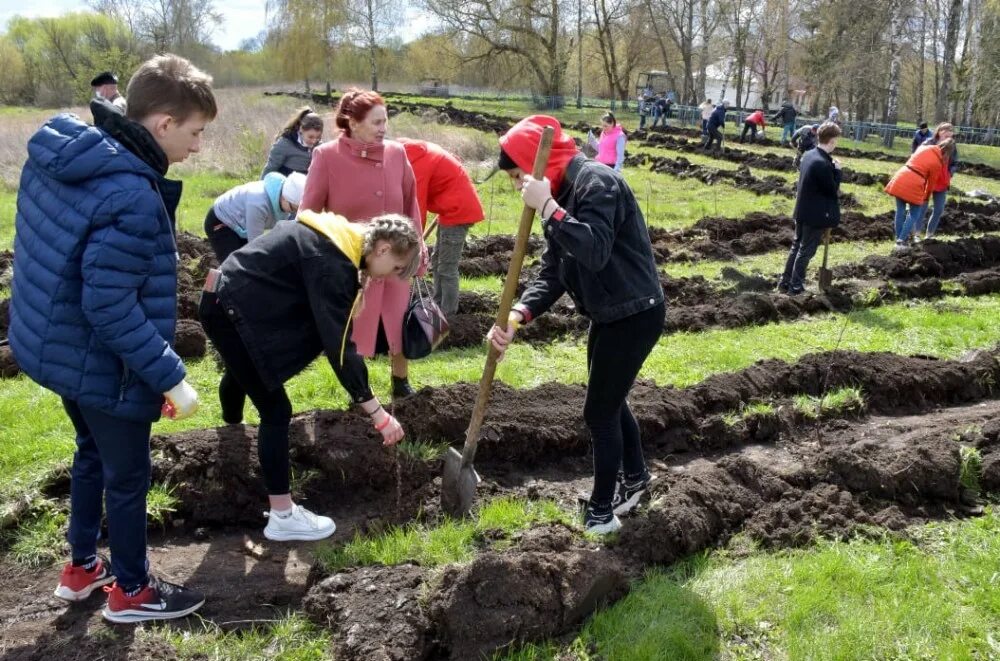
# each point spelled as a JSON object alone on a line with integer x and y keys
{"x": 180, "y": 402}
{"x": 535, "y": 192}
{"x": 500, "y": 338}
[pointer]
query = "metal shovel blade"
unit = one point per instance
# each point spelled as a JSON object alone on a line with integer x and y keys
{"x": 825, "y": 274}
{"x": 458, "y": 485}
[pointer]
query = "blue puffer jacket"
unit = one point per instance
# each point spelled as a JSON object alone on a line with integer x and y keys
{"x": 94, "y": 296}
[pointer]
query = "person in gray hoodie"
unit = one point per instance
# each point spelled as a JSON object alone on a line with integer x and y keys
{"x": 243, "y": 213}
{"x": 294, "y": 144}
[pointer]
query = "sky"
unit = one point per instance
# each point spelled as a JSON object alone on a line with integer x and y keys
{"x": 243, "y": 18}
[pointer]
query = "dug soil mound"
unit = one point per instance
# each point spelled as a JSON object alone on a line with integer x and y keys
{"x": 775, "y": 476}
{"x": 759, "y": 232}
{"x": 767, "y": 161}
{"x": 741, "y": 177}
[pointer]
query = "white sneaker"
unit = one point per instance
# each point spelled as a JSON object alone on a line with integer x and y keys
{"x": 299, "y": 526}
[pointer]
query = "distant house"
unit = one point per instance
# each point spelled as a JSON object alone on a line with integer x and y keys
{"x": 720, "y": 84}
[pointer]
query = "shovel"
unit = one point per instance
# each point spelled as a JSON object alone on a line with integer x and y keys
{"x": 825, "y": 274}
{"x": 431, "y": 226}
{"x": 458, "y": 484}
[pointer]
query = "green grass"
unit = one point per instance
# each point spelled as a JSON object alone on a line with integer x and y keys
{"x": 934, "y": 596}
{"x": 835, "y": 402}
{"x": 450, "y": 541}
{"x": 43, "y": 436}
{"x": 971, "y": 468}
{"x": 290, "y": 638}
{"x": 419, "y": 450}
{"x": 160, "y": 503}
{"x": 39, "y": 541}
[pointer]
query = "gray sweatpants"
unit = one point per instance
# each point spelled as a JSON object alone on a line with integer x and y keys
{"x": 447, "y": 252}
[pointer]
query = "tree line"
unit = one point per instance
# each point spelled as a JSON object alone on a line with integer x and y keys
{"x": 885, "y": 61}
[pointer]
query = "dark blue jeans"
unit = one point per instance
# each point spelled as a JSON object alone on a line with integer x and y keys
{"x": 111, "y": 466}
{"x": 807, "y": 240}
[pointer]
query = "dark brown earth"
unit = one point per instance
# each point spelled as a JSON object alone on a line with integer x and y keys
{"x": 759, "y": 232}
{"x": 927, "y": 271}
{"x": 741, "y": 177}
{"x": 766, "y": 161}
{"x": 499, "y": 124}
{"x": 777, "y": 478}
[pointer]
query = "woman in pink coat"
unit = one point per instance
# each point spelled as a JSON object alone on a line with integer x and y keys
{"x": 361, "y": 175}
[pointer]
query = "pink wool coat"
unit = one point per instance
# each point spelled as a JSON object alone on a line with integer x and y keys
{"x": 360, "y": 181}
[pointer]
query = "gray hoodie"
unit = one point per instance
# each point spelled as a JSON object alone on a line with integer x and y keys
{"x": 248, "y": 209}
{"x": 287, "y": 156}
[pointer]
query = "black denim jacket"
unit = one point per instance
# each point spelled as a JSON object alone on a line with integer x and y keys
{"x": 599, "y": 253}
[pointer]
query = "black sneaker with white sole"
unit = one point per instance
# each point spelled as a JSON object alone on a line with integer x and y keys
{"x": 628, "y": 494}
{"x": 600, "y": 521}
{"x": 158, "y": 600}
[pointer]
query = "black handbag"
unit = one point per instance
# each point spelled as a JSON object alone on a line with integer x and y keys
{"x": 424, "y": 326}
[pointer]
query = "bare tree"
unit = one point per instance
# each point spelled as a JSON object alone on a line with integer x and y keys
{"x": 616, "y": 23}
{"x": 900, "y": 11}
{"x": 304, "y": 32}
{"x": 529, "y": 30}
{"x": 370, "y": 22}
{"x": 948, "y": 63}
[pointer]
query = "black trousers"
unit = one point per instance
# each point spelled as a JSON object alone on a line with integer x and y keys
{"x": 240, "y": 380}
{"x": 714, "y": 135}
{"x": 615, "y": 353}
{"x": 751, "y": 128}
{"x": 224, "y": 240}
{"x": 807, "y": 240}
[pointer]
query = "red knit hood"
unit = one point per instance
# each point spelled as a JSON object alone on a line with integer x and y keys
{"x": 521, "y": 142}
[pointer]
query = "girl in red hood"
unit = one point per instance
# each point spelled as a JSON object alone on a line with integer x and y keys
{"x": 597, "y": 250}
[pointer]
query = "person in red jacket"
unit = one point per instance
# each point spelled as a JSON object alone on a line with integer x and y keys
{"x": 751, "y": 123}
{"x": 444, "y": 188}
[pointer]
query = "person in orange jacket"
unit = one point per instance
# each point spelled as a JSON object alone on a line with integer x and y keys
{"x": 444, "y": 188}
{"x": 913, "y": 183}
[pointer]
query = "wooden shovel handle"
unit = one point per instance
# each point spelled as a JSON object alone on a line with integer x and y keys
{"x": 431, "y": 226}
{"x": 826, "y": 246}
{"x": 506, "y": 300}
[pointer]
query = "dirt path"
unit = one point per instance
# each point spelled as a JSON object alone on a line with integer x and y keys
{"x": 780, "y": 478}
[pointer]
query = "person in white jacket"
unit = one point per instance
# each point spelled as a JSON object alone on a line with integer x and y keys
{"x": 243, "y": 213}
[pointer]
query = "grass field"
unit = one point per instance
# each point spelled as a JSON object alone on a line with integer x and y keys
{"x": 932, "y": 592}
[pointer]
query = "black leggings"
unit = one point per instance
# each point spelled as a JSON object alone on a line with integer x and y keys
{"x": 223, "y": 239}
{"x": 615, "y": 353}
{"x": 240, "y": 380}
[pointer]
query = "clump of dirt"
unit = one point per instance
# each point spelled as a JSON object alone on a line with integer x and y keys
{"x": 936, "y": 258}
{"x": 523, "y": 594}
{"x": 190, "y": 340}
{"x": 338, "y": 462}
{"x": 374, "y": 612}
{"x": 8, "y": 366}
{"x": 542, "y": 587}
{"x": 4, "y": 317}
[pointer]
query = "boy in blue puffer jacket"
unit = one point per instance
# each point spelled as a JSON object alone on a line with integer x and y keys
{"x": 93, "y": 311}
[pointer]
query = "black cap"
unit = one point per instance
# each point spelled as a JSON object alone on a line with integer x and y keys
{"x": 923, "y": 125}
{"x": 104, "y": 78}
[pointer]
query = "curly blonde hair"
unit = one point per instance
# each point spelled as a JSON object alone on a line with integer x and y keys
{"x": 398, "y": 231}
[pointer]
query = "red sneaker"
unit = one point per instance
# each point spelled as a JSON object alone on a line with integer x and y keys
{"x": 159, "y": 600}
{"x": 76, "y": 583}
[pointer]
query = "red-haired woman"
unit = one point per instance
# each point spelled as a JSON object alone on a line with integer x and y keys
{"x": 361, "y": 175}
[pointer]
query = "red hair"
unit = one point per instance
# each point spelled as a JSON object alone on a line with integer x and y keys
{"x": 355, "y": 105}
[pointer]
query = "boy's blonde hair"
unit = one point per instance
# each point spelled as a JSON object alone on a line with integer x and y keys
{"x": 170, "y": 84}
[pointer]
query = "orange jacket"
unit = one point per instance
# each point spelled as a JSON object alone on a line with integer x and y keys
{"x": 443, "y": 186}
{"x": 914, "y": 181}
